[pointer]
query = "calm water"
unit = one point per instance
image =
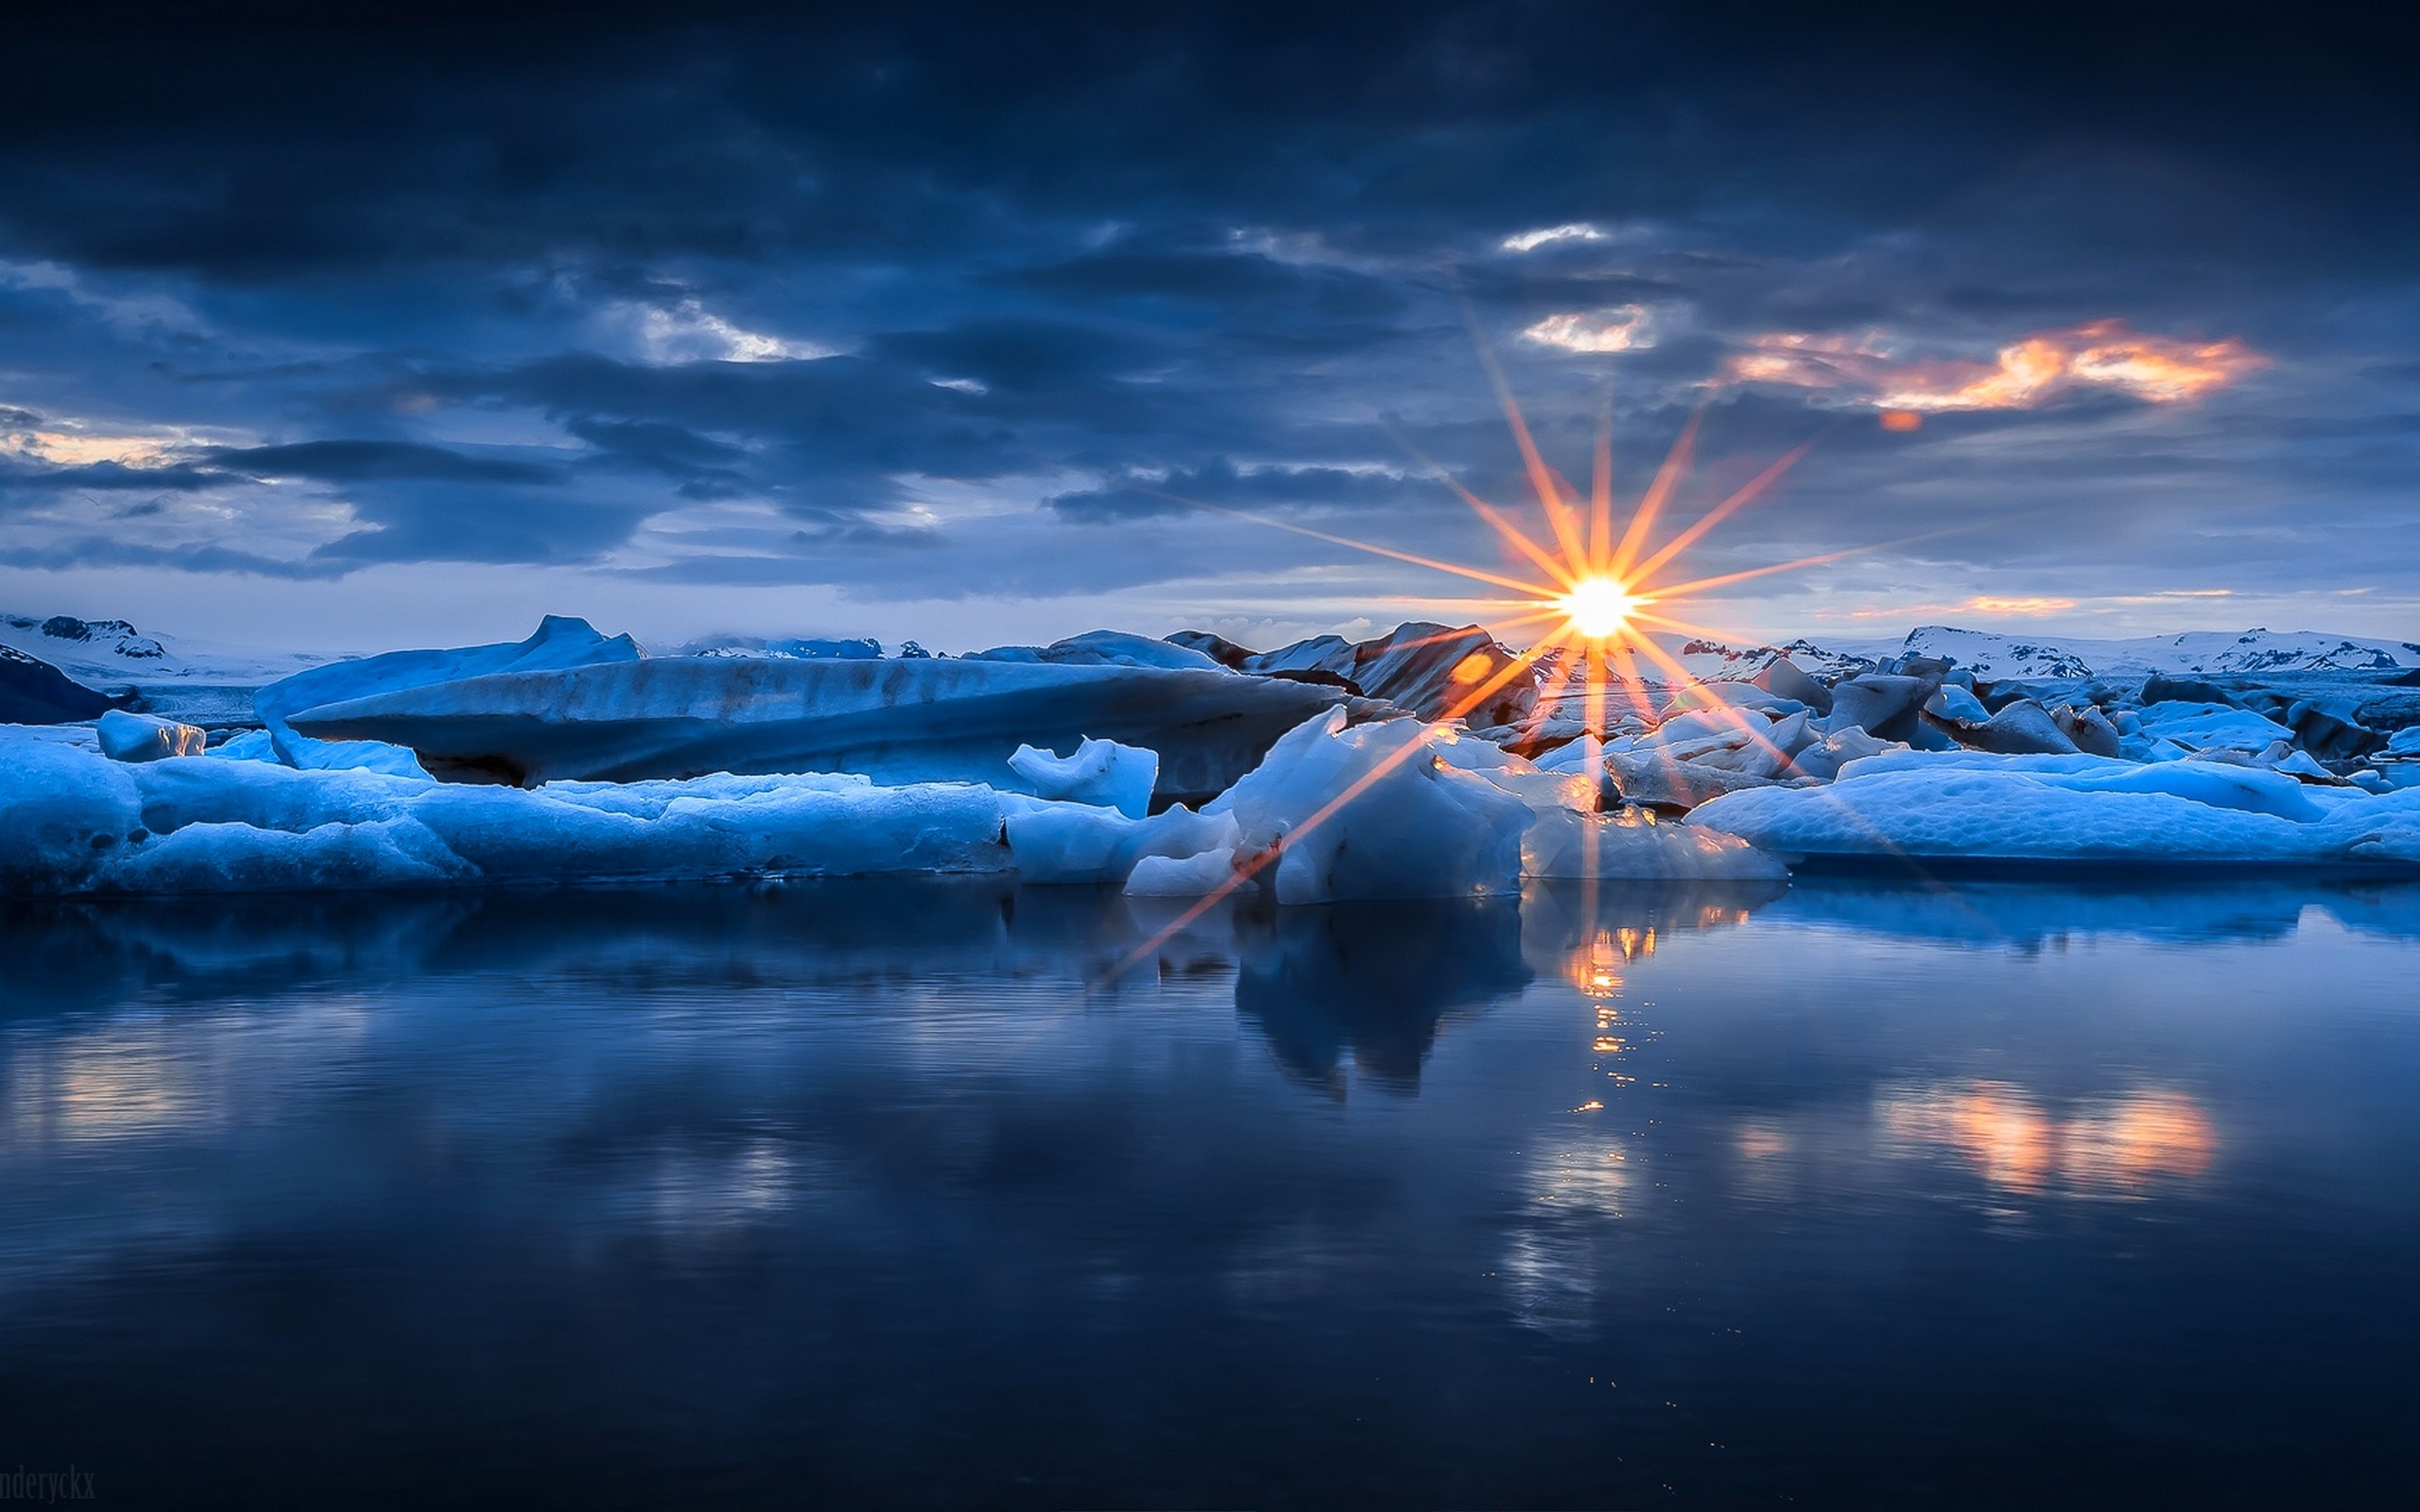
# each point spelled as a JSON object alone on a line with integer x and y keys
{"x": 1849, "y": 1195}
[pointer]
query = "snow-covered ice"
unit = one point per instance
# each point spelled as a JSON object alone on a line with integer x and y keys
{"x": 1968, "y": 806}
{"x": 74, "y": 821}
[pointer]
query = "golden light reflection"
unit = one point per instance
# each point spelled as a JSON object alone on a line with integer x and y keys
{"x": 2118, "y": 1146}
{"x": 1597, "y": 966}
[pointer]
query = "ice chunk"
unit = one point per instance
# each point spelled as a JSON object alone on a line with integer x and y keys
{"x": 1786, "y": 678}
{"x": 2022, "y": 727}
{"x": 1431, "y": 670}
{"x": 1193, "y": 876}
{"x": 2202, "y": 726}
{"x": 2404, "y": 742}
{"x": 1950, "y": 701}
{"x": 249, "y": 745}
{"x": 925, "y": 719}
{"x": 1632, "y": 845}
{"x": 127, "y": 737}
{"x": 1078, "y": 843}
{"x": 1385, "y": 810}
{"x": 2088, "y": 730}
{"x": 2076, "y": 809}
{"x": 1880, "y": 704}
{"x": 1102, "y": 772}
{"x": 1824, "y": 760}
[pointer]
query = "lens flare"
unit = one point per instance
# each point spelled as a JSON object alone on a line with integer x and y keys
{"x": 1599, "y": 608}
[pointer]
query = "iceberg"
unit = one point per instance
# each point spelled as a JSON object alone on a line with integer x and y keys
{"x": 127, "y": 737}
{"x": 1423, "y": 668}
{"x": 74, "y": 821}
{"x": 2074, "y": 809}
{"x": 1406, "y": 808}
{"x": 902, "y": 720}
{"x": 1387, "y": 810}
{"x": 558, "y": 643}
{"x": 1104, "y": 649}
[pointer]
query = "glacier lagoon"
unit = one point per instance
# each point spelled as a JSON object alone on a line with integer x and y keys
{"x": 914, "y": 1193}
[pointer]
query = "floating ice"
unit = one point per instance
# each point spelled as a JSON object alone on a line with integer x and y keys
{"x": 1193, "y": 876}
{"x": 127, "y": 737}
{"x": 922, "y": 719}
{"x": 558, "y": 643}
{"x": 1100, "y": 771}
{"x": 72, "y": 821}
{"x": 2200, "y": 725}
{"x": 1632, "y": 845}
{"x": 1970, "y": 806}
{"x": 1398, "y": 813}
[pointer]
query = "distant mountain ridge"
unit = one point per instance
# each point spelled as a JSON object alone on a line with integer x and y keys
{"x": 114, "y": 654}
{"x": 1994, "y": 655}
{"x": 2206, "y": 652}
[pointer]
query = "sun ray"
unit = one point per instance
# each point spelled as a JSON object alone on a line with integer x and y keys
{"x": 1600, "y": 494}
{"x": 1496, "y": 519}
{"x": 1676, "y": 461}
{"x": 1475, "y": 574}
{"x": 1746, "y": 495}
{"x": 1566, "y": 532}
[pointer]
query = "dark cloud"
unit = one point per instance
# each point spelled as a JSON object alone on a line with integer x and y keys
{"x": 1220, "y": 483}
{"x": 509, "y": 285}
{"x": 378, "y": 462}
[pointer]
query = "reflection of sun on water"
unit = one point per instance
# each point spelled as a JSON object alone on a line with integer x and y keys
{"x": 2121, "y": 1145}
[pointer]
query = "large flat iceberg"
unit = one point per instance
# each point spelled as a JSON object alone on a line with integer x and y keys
{"x": 925, "y": 719}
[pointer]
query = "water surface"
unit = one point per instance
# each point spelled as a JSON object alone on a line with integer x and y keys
{"x": 1857, "y": 1193}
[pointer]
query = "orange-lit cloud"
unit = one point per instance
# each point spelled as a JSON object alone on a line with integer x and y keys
{"x": 1980, "y": 604}
{"x": 2024, "y": 373}
{"x": 1622, "y": 328}
{"x": 74, "y": 445}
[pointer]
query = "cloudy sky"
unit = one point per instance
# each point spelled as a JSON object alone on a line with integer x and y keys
{"x": 949, "y": 323}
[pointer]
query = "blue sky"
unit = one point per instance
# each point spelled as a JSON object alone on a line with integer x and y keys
{"x": 350, "y": 333}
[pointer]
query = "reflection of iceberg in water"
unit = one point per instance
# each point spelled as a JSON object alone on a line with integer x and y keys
{"x": 1590, "y": 934}
{"x": 2117, "y": 1145}
{"x": 2029, "y": 915}
{"x": 1377, "y": 979}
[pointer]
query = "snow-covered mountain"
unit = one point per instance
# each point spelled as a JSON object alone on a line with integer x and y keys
{"x": 1988, "y": 654}
{"x": 1713, "y": 661}
{"x": 112, "y": 654}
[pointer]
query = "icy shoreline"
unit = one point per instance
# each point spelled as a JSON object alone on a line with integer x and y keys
{"x": 1321, "y": 772}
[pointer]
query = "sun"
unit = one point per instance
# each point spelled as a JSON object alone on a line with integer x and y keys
{"x": 1599, "y": 608}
